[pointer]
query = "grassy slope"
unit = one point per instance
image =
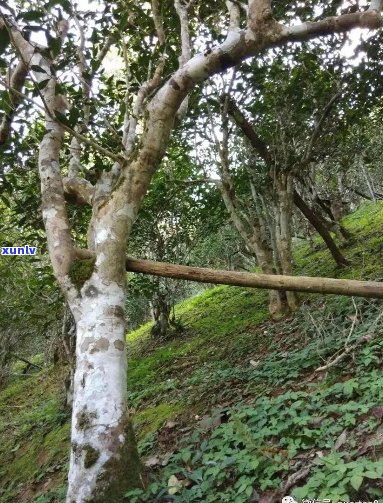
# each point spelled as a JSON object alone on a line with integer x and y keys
{"x": 232, "y": 406}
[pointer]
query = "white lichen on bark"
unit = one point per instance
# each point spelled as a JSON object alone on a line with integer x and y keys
{"x": 99, "y": 405}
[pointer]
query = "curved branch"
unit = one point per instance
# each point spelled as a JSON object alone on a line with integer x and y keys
{"x": 335, "y": 24}
{"x": 182, "y": 11}
{"x": 316, "y": 222}
{"x": 248, "y": 130}
{"x": 158, "y": 22}
{"x": 55, "y": 216}
{"x": 234, "y": 15}
{"x": 16, "y": 82}
{"x": 79, "y": 190}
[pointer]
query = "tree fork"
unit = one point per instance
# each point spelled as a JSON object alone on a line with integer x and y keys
{"x": 305, "y": 284}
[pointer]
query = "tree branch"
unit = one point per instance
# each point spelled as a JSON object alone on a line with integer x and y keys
{"x": 238, "y": 46}
{"x": 75, "y": 158}
{"x": 248, "y": 130}
{"x": 335, "y": 24}
{"x": 80, "y": 137}
{"x": 306, "y": 284}
{"x": 234, "y": 15}
{"x": 86, "y": 77}
{"x": 79, "y": 190}
{"x": 24, "y": 360}
{"x": 376, "y": 5}
{"x": 142, "y": 95}
{"x": 318, "y": 225}
{"x": 335, "y": 360}
{"x": 182, "y": 11}
{"x": 83, "y": 67}
{"x": 318, "y": 127}
{"x": 259, "y": 13}
{"x": 16, "y": 81}
{"x": 158, "y": 22}
{"x": 55, "y": 216}
{"x": 30, "y": 56}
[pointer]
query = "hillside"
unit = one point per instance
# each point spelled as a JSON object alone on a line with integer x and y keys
{"x": 233, "y": 408}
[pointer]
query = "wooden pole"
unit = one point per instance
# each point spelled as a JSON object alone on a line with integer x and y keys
{"x": 306, "y": 284}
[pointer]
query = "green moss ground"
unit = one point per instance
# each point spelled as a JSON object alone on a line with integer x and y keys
{"x": 34, "y": 436}
{"x": 230, "y": 358}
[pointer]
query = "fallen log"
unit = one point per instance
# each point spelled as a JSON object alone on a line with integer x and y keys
{"x": 306, "y": 284}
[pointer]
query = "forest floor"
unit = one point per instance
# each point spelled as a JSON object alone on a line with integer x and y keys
{"x": 233, "y": 408}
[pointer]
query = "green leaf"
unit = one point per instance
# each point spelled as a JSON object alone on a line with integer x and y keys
{"x": 33, "y": 15}
{"x": 5, "y": 105}
{"x": 349, "y": 387}
{"x": 43, "y": 83}
{"x": 95, "y": 65}
{"x": 55, "y": 46}
{"x": 74, "y": 116}
{"x": 5, "y": 200}
{"x": 94, "y": 38}
{"x": 300, "y": 492}
{"x": 371, "y": 475}
{"x": 37, "y": 68}
{"x": 356, "y": 481}
{"x": 62, "y": 118}
{"x": 65, "y": 4}
{"x": 4, "y": 40}
{"x": 249, "y": 491}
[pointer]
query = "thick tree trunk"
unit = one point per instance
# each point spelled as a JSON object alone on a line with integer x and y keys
{"x": 161, "y": 314}
{"x": 283, "y": 217}
{"x": 251, "y": 232}
{"x": 104, "y": 462}
{"x": 264, "y": 255}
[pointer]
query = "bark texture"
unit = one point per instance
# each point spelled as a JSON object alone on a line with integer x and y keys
{"x": 104, "y": 462}
{"x": 369, "y": 289}
{"x": 103, "y": 465}
{"x": 283, "y": 209}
